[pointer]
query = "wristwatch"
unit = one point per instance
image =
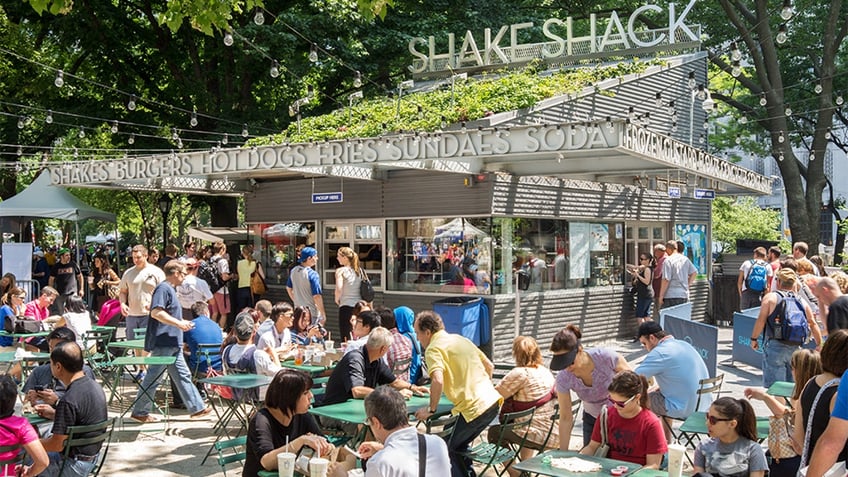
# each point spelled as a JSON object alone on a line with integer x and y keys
{"x": 432, "y": 411}
{"x": 755, "y": 338}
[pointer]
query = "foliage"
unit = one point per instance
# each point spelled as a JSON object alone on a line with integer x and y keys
{"x": 742, "y": 218}
{"x": 432, "y": 110}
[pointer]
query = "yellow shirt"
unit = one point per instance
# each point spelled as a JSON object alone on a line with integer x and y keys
{"x": 245, "y": 269}
{"x": 467, "y": 384}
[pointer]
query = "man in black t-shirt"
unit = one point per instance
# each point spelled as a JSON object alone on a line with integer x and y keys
{"x": 66, "y": 278}
{"x": 84, "y": 403}
{"x": 362, "y": 370}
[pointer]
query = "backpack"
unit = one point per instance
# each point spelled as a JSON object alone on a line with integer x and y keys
{"x": 244, "y": 365}
{"x": 757, "y": 276}
{"x": 208, "y": 271}
{"x": 788, "y": 321}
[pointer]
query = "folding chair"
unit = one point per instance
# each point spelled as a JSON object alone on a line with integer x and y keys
{"x": 97, "y": 356}
{"x": 501, "y": 370}
{"x": 443, "y": 421}
{"x": 401, "y": 366}
{"x": 503, "y": 452}
{"x": 235, "y": 456}
{"x": 75, "y": 439}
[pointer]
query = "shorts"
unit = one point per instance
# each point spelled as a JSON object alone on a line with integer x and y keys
{"x": 657, "y": 401}
{"x": 220, "y": 304}
{"x": 643, "y": 307}
{"x": 134, "y": 322}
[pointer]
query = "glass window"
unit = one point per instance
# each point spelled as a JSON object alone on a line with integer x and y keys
{"x": 449, "y": 255}
{"x": 645, "y": 242}
{"x": 279, "y": 246}
{"x": 366, "y": 239}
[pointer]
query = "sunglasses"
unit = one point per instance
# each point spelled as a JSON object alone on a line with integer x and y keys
{"x": 714, "y": 420}
{"x": 622, "y": 404}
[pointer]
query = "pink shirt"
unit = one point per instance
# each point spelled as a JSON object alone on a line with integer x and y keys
{"x": 32, "y": 309}
{"x": 14, "y": 430}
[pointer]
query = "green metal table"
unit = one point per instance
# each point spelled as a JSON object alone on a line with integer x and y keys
{"x": 541, "y": 464}
{"x": 312, "y": 370}
{"x": 26, "y": 359}
{"x": 128, "y": 344}
{"x": 20, "y": 336}
{"x": 123, "y": 362}
{"x": 353, "y": 410}
{"x": 782, "y": 389}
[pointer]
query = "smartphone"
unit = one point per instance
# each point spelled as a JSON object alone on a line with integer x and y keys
{"x": 38, "y": 388}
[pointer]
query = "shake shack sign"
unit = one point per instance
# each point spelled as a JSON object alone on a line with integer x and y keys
{"x": 562, "y": 39}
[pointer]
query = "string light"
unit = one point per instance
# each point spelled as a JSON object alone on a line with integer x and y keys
{"x": 244, "y": 132}
{"x": 81, "y": 133}
{"x": 193, "y": 120}
{"x": 827, "y": 134}
{"x": 818, "y": 88}
{"x": 786, "y": 11}
{"x": 114, "y": 127}
{"x": 21, "y": 122}
{"x": 275, "y": 69}
{"x": 225, "y": 139}
{"x": 658, "y": 99}
{"x": 131, "y": 103}
{"x": 357, "y": 79}
{"x": 313, "y": 54}
{"x": 788, "y": 111}
{"x": 60, "y": 79}
{"x": 131, "y": 139}
{"x": 736, "y": 70}
{"x": 743, "y": 119}
{"x": 781, "y": 138}
{"x": 228, "y": 38}
{"x": 259, "y": 17}
{"x": 691, "y": 81}
{"x": 839, "y": 100}
{"x": 735, "y": 54}
{"x": 781, "y": 34}
{"x": 763, "y": 100}
{"x": 49, "y": 118}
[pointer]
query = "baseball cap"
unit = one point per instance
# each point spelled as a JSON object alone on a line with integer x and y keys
{"x": 191, "y": 263}
{"x": 649, "y": 328}
{"x": 306, "y": 253}
{"x": 243, "y": 326}
{"x": 64, "y": 250}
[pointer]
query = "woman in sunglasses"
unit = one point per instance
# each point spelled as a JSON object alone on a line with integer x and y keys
{"x": 634, "y": 433}
{"x": 733, "y": 449}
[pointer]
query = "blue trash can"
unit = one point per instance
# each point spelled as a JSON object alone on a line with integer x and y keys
{"x": 467, "y": 316}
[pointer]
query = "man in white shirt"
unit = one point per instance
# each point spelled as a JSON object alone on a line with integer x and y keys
{"x": 678, "y": 273}
{"x": 304, "y": 285}
{"x": 192, "y": 289}
{"x": 397, "y": 452}
{"x": 137, "y": 285}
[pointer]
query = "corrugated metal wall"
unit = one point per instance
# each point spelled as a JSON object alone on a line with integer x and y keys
{"x": 429, "y": 194}
{"x": 290, "y": 201}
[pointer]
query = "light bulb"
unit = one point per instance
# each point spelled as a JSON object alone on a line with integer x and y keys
{"x": 780, "y": 157}
{"x": 225, "y": 139}
{"x": 738, "y": 139}
{"x": 818, "y": 88}
{"x": 839, "y": 100}
{"x": 702, "y": 93}
{"x": 81, "y": 133}
{"x": 228, "y": 39}
{"x": 781, "y": 138}
{"x": 193, "y": 120}
{"x": 735, "y": 53}
{"x": 691, "y": 80}
{"x": 174, "y": 135}
{"x": 76, "y": 153}
{"x": 609, "y": 122}
{"x": 49, "y": 118}
{"x": 786, "y": 11}
{"x": 674, "y": 127}
{"x": 781, "y": 35}
{"x": 701, "y": 139}
{"x": 60, "y": 79}
{"x": 812, "y": 156}
{"x": 763, "y": 100}
{"x": 743, "y": 120}
{"x": 313, "y": 54}
{"x": 244, "y": 132}
{"x": 827, "y": 134}
{"x": 180, "y": 143}
{"x": 131, "y": 140}
{"x": 736, "y": 70}
{"x": 20, "y": 151}
{"x": 114, "y": 127}
{"x": 706, "y": 124}
{"x": 357, "y": 79}
{"x": 670, "y": 109}
{"x": 788, "y": 111}
{"x": 259, "y": 17}
{"x": 443, "y": 123}
{"x": 659, "y": 99}
{"x": 275, "y": 69}
{"x": 131, "y": 103}
{"x": 21, "y": 122}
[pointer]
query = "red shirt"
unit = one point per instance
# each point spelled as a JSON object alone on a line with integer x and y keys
{"x": 32, "y": 309}
{"x": 631, "y": 440}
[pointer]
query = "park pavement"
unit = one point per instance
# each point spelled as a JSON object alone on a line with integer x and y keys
{"x": 150, "y": 449}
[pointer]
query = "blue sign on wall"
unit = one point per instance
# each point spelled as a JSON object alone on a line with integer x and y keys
{"x": 702, "y": 337}
{"x": 704, "y": 194}
{"x": 327, "y": 198}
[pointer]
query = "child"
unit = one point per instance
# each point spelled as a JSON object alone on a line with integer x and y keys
{"x": 16, "y": 430}
{"x": 733, "y": 450}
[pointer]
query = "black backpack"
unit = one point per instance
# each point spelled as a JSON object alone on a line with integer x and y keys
{"x": 208, "y": 272}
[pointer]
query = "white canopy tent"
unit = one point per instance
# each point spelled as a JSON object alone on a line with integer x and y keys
{"x": 43, "y": 200}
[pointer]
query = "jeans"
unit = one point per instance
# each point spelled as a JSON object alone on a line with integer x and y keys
{"x": 588, "y": 427}
{"x": 73, "y": 468}
{"x": 750, "y": 299}
{"x": 463, "y": 433}
{"x": 776, "y": 359}
{"x": 180, "y": 376}
{"x": 669, "y": 302}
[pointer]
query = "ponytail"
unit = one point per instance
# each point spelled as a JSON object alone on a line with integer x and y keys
{"x": 742, "y": 412}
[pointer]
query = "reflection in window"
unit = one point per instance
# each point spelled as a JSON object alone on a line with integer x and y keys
{"x": 280, "y": 246}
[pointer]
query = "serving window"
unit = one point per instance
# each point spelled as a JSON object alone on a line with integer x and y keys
{"x": 365, "y": 238}
{"x": 279, "y": 247}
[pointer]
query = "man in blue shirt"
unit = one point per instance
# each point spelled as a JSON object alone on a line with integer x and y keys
{"x": 677, "y": 367}
{"x": 205, "y": 332}
{"x": 165, "y": 338}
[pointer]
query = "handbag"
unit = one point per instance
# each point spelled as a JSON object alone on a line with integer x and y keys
{"x": 23, "y": 325}
{"x": 604, "y": 448}
{"x": 366, "y": 290}
{"x": 113, "y": 291}
{"x": 257, "y": 283}
{"x": 780, "y": 436}
{"x": 225, "y": 392}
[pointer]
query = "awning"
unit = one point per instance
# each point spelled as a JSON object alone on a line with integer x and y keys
{"x": 222, "y": 234}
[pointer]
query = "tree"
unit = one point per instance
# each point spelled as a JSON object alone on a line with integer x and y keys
{"x": 789, "y": 56}
{"x": 742, "y": 218}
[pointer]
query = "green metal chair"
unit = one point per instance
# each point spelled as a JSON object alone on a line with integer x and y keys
{"x": 76, "y": 438}
{"x": 228, "y": 452}
{"x": 7, "y": 466}
{"x": 503, "y": 452}
{"x": 97, "y": 355}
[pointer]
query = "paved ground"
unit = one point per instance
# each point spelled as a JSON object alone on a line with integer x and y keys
{"x": 178, "y": 450}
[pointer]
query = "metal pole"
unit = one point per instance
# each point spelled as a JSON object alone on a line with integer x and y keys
{"x": 692, "y": 115}
{"x": 517, "y": 318}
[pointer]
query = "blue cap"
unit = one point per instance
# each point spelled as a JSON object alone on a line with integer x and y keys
{"x": 306, "y": 253}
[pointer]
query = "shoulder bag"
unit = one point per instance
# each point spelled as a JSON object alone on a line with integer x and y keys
{"x": 257, "y": 283}
{"x": 422, "y": 455}
{"x": 780, "y": 436}
{"x": 604, "y": 448}
{"x": 366, "y": 290}
{"x": 806, "y": 451}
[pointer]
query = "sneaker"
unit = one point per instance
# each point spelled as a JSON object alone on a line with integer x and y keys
{"x": 144, "y": 419}
{"x": 201, "y": 413}
{"x": 140, "y": 376}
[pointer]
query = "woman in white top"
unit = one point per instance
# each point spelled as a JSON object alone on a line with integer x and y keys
{"x": 347, "y": 288}
{"x": 76, "y": 317}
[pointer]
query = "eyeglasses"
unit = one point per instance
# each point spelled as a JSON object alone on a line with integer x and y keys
{"x": 22, "y": 297}
{"x": 644, "y": 258}
{"x": 714, "y": 420}
{"x": 623, "y": 404}
{"x": 288, "y": 313}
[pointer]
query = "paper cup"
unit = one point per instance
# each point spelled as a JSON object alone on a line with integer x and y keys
{"x": 318, "y": 467}
{"x": 285, "y": 464}
{"x": 675, "y": 459}
{"x": 356, "y": 473}
{"x": 328, "y": 345}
